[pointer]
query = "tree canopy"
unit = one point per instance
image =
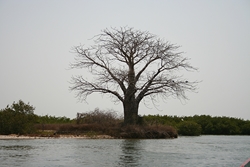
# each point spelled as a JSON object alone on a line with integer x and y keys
{"x": 131, "y": 65}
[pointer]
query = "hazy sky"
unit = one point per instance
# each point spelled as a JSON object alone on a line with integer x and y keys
{"x": 36, "y": 38}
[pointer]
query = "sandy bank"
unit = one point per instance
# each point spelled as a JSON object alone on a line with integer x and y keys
{"x": 15, "y": 137}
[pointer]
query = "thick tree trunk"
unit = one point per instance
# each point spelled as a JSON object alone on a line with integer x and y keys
{"x": 130, "y": 105}
{"x": 130, "y": 112}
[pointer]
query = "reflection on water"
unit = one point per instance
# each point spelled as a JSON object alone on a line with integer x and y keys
{"x": 131, "y": 152}
{"x": 16, "y": 147}
{"x": 204, "y": 151}
{"x": 16, "y": 154}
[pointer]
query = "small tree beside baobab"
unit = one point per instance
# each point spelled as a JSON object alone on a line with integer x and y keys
{"x": 131, "y": 66}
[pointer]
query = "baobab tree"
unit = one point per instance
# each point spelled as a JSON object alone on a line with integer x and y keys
{"x": 131, "y": 66}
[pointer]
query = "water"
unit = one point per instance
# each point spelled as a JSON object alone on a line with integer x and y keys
{"x": 203, "y": 151}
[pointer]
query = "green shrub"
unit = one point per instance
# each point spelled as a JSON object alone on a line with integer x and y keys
{"x": 189, "y": 128}
{"x": 246, "y": 128}
{"x": 53, "y": 120}
{"x": 17, "y": 119}
{"x": 209, "y": 125}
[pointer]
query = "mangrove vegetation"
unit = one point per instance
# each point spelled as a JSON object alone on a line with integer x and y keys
{"x": 19, "y": 118}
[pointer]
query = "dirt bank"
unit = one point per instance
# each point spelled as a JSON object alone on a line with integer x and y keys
{"x": 16, "y": 137}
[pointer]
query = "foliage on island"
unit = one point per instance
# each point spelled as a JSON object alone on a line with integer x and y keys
{"x": 203, "y": 124}
{"x": 47, "y": 119}
{"x": 19, "y": 118}
{"x": 99, "y": 122}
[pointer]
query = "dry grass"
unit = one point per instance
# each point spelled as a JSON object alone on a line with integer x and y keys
{"x": 104, "y": 118}
{"x": 118, "y": 131}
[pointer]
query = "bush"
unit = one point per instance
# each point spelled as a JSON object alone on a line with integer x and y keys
{"x": 17, "y": 119}
{"x": 97, "y": 122}
{"x": 106, "y": 118}
{"x": 189, "y": 128}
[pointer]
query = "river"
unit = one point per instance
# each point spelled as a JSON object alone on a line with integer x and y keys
{"x": 202, "y": 151}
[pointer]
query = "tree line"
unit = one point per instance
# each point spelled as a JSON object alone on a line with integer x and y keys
{"x": 202, "y": 124}
{"x": 19, "y": 118}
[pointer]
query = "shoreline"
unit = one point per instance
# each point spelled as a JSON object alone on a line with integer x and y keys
{"x": 20, "y": 137}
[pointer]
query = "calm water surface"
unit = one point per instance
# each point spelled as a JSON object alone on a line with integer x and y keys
{"x": 203, "y": 151}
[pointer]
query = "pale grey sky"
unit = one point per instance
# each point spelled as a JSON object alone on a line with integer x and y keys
{"x": 36, "y": 38}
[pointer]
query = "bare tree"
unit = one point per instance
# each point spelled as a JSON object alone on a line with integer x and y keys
{"x": 131, "y": 65}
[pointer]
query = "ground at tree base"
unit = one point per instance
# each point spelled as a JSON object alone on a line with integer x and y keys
{"x": 95, "y": 131}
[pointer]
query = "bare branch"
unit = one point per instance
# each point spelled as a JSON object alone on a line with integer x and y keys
{"x": 85, "y": 88}
{"x": 131, "y": 65}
